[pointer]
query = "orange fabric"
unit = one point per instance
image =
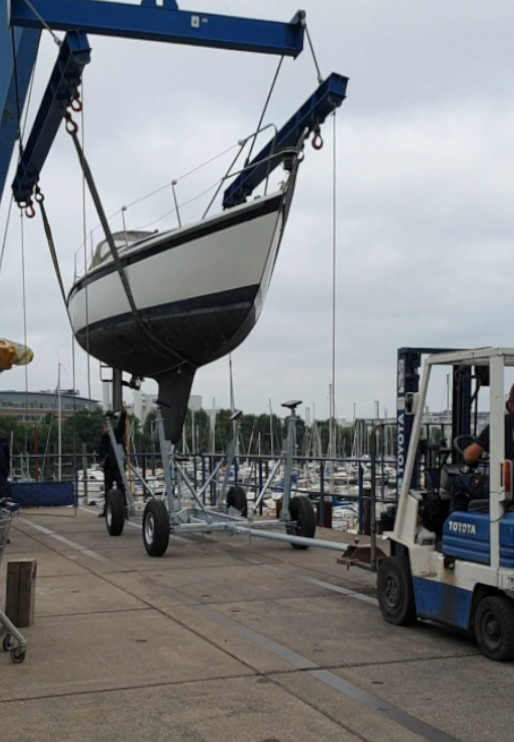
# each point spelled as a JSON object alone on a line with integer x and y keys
{"x": 12, "y": 354}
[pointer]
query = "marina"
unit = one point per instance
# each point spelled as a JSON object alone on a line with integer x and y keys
{"x": 200, "y": 574}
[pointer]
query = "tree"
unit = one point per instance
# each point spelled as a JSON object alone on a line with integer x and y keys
{"x": 83, "y": 428}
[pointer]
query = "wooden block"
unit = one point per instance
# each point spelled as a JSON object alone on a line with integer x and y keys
{"x": 20, "y": 594}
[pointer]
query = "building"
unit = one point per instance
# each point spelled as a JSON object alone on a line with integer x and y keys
{"x": 35, "y": 406}
{"x": 144, "y": 403}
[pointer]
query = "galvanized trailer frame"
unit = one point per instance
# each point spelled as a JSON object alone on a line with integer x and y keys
{"x": 173, "y": 514}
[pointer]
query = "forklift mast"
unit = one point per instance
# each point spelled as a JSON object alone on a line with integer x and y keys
{"x": 408, "y": 377}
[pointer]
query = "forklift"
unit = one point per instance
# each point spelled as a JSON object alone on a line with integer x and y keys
{"x": 453, "y": 567}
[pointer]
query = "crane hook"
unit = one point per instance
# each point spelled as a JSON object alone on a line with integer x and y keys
{"x": 30, "y": 211}
{"x": 317, "y": 139}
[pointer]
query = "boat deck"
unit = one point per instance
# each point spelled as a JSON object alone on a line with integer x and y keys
{"x": 228, "y": 639}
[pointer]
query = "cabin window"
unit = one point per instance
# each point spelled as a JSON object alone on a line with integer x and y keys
{"x": 122, "y": 241}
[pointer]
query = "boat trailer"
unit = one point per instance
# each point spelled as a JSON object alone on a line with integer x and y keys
{"x": 181, "y": 509}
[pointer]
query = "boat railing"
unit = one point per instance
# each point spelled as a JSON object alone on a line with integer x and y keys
{"x": 88, "y": 254}
{"x": 231, "y": 173}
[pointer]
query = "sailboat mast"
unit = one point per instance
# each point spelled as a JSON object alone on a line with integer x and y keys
{"x": 59, "y": 433}
{"x": 272, "y": 447}
{"x": 334, "y": 266}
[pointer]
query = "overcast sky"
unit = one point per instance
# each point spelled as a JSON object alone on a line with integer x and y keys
{"x": 422, "y": 216}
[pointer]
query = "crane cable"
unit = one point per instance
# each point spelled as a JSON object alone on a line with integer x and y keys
{"x": 44, "y": 23}
{"x": 274, "y": 81}
{"x": 84, "y": 239}
{"x": 333, "y": 434}
{"x": 318, "y": 72}
{"x": 21, "y": 129}
{"x": 39, "y": 197}
{"x": 265, "y": 108}
{"x": 24, "y": 301}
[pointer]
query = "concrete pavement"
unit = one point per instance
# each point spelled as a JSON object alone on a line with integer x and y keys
{"x": 228, "y": 639}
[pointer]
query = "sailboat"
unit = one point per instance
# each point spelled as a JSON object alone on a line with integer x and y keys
{"x": 197, "y": 292}
{"x": 161, "y": 305}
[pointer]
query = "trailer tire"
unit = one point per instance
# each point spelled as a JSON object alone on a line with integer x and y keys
{"x": 115, "y": 512}
{"x": 8, "y": 643}
{"x": 395, "y": 592}
{"x": 156, "y": 528}
{"x": 494, "y": 627}
{"x": 301, "y": 510}
{"x": 17, "y": 655}
{"x": 236, "y": 498}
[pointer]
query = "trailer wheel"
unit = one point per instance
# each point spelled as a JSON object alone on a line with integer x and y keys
{"x": 8, "y": 643}
{"x": 236, "y": 498}
{"x": 395, "y": 592}
{"x": 17, "y": 655}
{"x": 156, "y": 527}
{"x": 301, "y": 510}
{"x": 494, "y": 627}
{"x": 115, "y": 512}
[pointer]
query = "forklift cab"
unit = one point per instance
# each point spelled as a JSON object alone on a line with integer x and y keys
{"x": 441, "y": 437}
{"x": 463, "y": 534}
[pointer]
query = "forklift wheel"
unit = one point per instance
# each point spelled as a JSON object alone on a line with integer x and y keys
{"x": 236, "y": 498}
{"x": 115, "y": 512}
{"x": 395, "y": 593}
{"x": 494, "y": 627}
{"x": 156, "y": 527}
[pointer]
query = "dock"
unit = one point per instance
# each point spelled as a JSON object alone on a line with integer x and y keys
{"x": 227, "y": 639}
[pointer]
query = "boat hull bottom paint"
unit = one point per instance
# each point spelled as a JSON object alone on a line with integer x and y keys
{"x": 126, "y": 344}
{"x": 169, "y": 335}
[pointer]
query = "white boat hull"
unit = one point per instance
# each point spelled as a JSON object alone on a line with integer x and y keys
{"x": 200, "y": 295}
{"x": 197, "y": 291}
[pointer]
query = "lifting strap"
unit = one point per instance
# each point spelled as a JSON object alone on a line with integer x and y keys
{"x": 72, "y": 128}
{"x": 51, "y": 244}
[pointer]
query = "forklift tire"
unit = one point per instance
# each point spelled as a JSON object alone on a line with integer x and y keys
{"x": 301, "y": 510}
{"x": 156, "y": 527}
{"x": 494, "y": 627}
{"x": 236, "y": 498}
{"x": 115, "y": 512}
{"x": 394, "y": 591}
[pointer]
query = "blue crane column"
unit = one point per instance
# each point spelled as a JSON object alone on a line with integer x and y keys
{"x": 18, "y": 45}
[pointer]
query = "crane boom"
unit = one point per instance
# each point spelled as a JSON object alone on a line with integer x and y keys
{"x": 148, "y": 21}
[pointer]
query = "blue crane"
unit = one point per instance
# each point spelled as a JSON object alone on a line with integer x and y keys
{"x": 19, "y": 42}
{"x": 151, "y": 20}
{"x": 162, "y": 22}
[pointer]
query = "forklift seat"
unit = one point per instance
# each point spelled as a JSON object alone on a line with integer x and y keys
{"x": 480, "y": 505}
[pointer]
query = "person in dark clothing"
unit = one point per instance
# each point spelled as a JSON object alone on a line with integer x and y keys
{"x": 466, "y": 487}
{"x": 107, "y": 456}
